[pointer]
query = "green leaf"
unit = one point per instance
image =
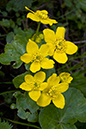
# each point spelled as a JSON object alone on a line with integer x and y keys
{"x": 17, "y": 5}
{"x": 5, "y": 23}
{"x": 16, "y": 48}
{"x": 19, "y": 79}
{"x": 79, "y": 82}
{"x": 10, "y": 37}
{"x": 27, "y": 108}
{"x": 51, "y": 117}
{"x": 5, "y": 125}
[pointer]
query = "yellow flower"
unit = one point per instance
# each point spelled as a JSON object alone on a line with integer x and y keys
{"x": 34, "y": 85}
{"x": 65, "y": 77}
{"x": 59, "y": 47}
{"x": 40, "y": 16}
{"x": 53, "y": 92}
{"x": 37, "y": 56}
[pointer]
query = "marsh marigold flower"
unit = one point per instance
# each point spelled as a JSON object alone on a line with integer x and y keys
{"x": 53, "y": 92}
{"x": 40, "y": 16}
{"x": 65, "y": 77}
{"x": 59, "y": 47}
{"x": 37, "y": 57}
{"x": 34, "y": 85}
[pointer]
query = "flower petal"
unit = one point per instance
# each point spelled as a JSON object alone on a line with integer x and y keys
{"x": 42, "y": 11}
{"x": 33, "y": 16}
{"x": 53, "y": 80}
{"x": 34, "y": 95}
{"x": 71, "y": 48}
{"x": 26, "y": 58}
{"x": 59, "y": 101}
{"x": 25, "y": 86}
{"x": 47, "y": 63}
{"x": 60, "y": 33}
{"x": 43, "y": 86}
{"x": 35, "y": 66}
{"x": 60, "y": 57}
{"x": 49, "y": 35}
{"x": 49, "y": 21}
{"x": 29, "y": 79}
{"x": 51, "y": 48}
{"x": 44, "y": 49}
{"x": 62, "y": 87}
{"x": 31, "y": 47}
{"x": 40, "y": 76}
{"x": 44, "y": 100}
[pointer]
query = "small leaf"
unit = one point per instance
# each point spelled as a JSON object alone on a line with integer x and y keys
{"x": 19, "y": 79}
{"x": 27, "y": 108}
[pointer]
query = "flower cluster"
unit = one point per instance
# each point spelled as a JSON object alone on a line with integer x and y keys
{"x": 39, "y": 58}
{"x": 45, "y": 92}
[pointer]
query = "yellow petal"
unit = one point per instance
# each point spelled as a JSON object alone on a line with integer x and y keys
{"x": 60, "y": 33}
{"x": 29, "y": 79}
{"x": 25, "y": 86}
{"x": 60, "y": 57}
{"x": 33, "y": 16}
{"x": 62, "y": 87}
{"x": 34, "y": 95}
{"x": 35, "y": 66}
{"x": 42, "y": 11}
{"x": 43, "y": 86}
{"x": 49, "y": 35}
{"x": 71, "y": 48}
{"x": 47, "y": 63}
{"x": 51, "y": 48}
{"x": 44, "y": 100}
{"x": 40, "y": 76}
{"x": 48, "y": 21}
{"x": 26, "y": 58}
{"x": 59, "y": 101}
{"x": 31, "y": 47}
{"x": 53, "y": 80}
{"x": 44, "y": 49}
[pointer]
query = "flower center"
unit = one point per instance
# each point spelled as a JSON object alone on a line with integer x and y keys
{"x": 37, "y": 57}
{"x": 42, "y": 15}
{"x": 52, "y": 92}
{"x": 36, "y": 86}
{"x": 60, "y": 45}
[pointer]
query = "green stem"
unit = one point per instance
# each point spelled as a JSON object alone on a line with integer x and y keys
{"x": 21, "y": 123}
{"x": 7, "y": 92}
{"x": 6, "y": 83}
{"x": 37, "y": 30}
